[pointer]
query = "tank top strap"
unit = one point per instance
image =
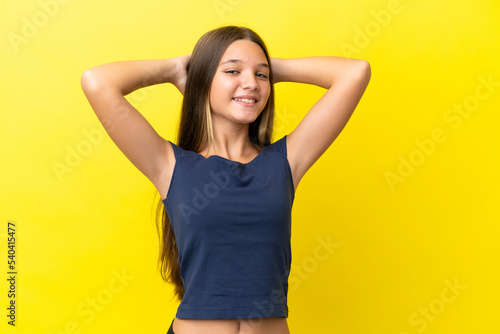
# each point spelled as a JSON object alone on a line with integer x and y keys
{"x": 278, "y": 146}
{"x": 178, "y": 152}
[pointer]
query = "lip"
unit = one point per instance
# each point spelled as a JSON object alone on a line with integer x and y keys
{"x": 245, "y": 104}
{"x": 253, "y": 97}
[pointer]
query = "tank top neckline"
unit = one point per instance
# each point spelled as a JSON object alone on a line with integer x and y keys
{"x": 232, "y": 161}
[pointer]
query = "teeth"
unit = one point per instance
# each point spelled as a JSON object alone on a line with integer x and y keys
{"x": 245, "y": 100}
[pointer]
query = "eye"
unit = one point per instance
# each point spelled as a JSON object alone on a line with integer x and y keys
{"x": 231, "y": 72}
{"x": 262, "y": 75}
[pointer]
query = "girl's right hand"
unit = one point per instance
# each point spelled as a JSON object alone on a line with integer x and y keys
{"x": 181, "y": 76}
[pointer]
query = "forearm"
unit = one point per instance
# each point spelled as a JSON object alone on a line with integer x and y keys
{"x": 127, "y": 76}
{"x": 319, "y": 71}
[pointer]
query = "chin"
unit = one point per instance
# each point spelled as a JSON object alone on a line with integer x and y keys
{"x": 246, "y": 120}
{"x": 239, "y": 116}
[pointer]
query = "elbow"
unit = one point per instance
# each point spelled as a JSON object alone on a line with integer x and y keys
{"x": 364, "y": 71}
{"x": 90, "y": 81}
{"x": 355, "y": 72}
{"x": 358, "y": 74}
{"x": 87, "y": 81}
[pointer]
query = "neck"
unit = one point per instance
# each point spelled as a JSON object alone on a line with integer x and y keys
{"x": 231, "y": 142}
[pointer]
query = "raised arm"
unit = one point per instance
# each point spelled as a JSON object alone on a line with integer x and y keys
{"x": 105, "y": 87}
{"x": 345, "y": 80}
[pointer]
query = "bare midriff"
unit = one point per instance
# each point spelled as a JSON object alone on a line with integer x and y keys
{"x": 276, "y": 325}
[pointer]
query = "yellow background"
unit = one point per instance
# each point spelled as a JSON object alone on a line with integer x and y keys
{"x": 398, "y": 244}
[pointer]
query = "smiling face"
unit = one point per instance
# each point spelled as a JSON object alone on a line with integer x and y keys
{"x": 241, "y": 87}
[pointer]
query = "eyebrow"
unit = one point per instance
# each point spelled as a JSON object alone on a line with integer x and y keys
{"x": 239, "y": 61}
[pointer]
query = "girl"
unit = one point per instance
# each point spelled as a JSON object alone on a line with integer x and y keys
{"x": 226, "y": 191}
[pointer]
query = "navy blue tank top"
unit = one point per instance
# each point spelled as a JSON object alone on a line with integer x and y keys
{"x": 232, "y": 224}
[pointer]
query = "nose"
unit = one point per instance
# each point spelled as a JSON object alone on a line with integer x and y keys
{"x": 249, "y": 82}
